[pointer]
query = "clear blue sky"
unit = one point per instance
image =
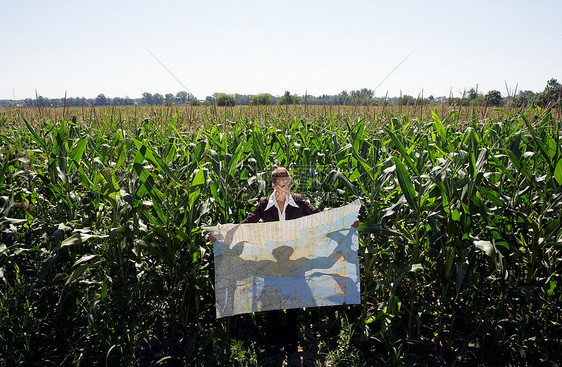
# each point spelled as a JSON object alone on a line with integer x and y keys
{"x": 249, "y": 47}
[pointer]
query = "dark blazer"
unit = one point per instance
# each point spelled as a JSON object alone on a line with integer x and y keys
{"x": 272, "y": 215}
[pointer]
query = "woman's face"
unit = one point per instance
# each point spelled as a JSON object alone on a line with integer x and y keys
{"x": 282, "y": 188}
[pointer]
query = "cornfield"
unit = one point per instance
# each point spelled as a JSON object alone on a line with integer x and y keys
{"x": 103, "y": 261}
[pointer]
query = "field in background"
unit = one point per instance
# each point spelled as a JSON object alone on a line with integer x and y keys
{"x": 193, "y": 116}
{"x": 102, "y": 260}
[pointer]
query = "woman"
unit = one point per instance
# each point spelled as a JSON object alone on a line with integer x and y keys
{"x": 279, "y": 206}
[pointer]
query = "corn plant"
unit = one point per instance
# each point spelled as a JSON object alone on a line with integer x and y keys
{"x": 102, "y": 259}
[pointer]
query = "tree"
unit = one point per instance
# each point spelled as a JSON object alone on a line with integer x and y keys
{"x": 472, "y": 94}
{"x": 169, "y": 99}
{"x": 552, "y": 84}
{"x": 181, "y": 97}
{"x": 242, "y": 99}
{"x": 195, "y": 102}
{"x": 147, "y": 98}
{"x": 224, "y": 99}
{"x": 407, "y": 100}
{"x": 361, "y": 97}
{"x": 263, "y": 99}
{"x": 158, "y": 99}
{"x": 101, "y": 100}
{"x": 473, "y": 98}
{"x": 287, "y": 99}
{"x": 552, "y": 92}
{"x": 524, "y": 99}
{"x": 342, "y": 99}
{"x": 494, "y": 98}
{"x": 455, "y": 101}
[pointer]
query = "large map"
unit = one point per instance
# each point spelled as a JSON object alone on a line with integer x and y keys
{"x": 306, "y": 262}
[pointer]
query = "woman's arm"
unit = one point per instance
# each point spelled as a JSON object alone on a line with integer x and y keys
{"x": 308, "y": 209}
{"x": 253, "y": 217}
{"x": 305, "y": 208}
{"x": 257, "y": 213}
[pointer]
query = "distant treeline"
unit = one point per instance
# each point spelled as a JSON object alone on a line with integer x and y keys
{"x": 551, "y": 94}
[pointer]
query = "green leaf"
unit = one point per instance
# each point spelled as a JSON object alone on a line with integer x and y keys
{"x": 438, "y": 127}
{"x": 363, "y": 164}
{"x": 3, "y": 172}
{"x": 12, "y": 221}
{"x": 537, "y": 140}
{"x": 153, "y": 157}
{"x": 406, "y": 184}
{"x": 521, "y": 168}
{"x": 78, "y": 238}
{"x": 558, "y": 172}
{"x": 456, "y": 215}
{"x": 78, "y": 151}
{"x": 84, "y": 259}
{"x": 235, "y": 159}
{"x": 199, "y": 178}
{"x": 79, "y": 271}
{"x": 75, "y": 239}
{"x": 553, "y": 284}
{"x": 34, "y": 134}
{"x": 376, "y": 228}
{"x": 121, "y": 156}
{"x": 461, "y": 270}
{"x": 551, "y": 148}
{"x": 193, "y": 196}
{"x": 402, "y": 151}
{"x": 502, "y": 168}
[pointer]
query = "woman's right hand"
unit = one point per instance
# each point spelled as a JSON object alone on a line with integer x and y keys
{"x": 212, "y": 238}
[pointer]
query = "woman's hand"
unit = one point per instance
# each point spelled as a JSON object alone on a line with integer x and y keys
{"x": 356, "y": 223}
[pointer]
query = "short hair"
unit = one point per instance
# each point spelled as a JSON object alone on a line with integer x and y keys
{"x": 279, "y": 173}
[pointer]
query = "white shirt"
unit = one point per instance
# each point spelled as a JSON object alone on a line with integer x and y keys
{"x": 273, "y": 202}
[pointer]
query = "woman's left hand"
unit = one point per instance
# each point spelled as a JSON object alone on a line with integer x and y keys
{"x": 355, "y": 224}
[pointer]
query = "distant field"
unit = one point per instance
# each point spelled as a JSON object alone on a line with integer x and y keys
{"x": 199, "y": 114}
{"x": 103, "y": 262}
